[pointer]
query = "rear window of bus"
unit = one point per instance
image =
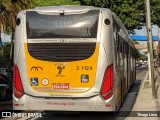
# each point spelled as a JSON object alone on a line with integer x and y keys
{"x": 62, "y": 26}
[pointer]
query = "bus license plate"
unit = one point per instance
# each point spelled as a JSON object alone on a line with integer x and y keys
{"x": 60, "y": 85}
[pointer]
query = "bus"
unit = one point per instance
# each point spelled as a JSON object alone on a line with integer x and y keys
{"x": 71, "y": 58}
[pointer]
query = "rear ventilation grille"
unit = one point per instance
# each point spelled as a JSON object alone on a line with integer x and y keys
{"x": 61, "y": 52}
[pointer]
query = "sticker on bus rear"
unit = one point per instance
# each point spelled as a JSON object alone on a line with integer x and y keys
{"x": 45, "y": 81}
{"x": 61, "y": 86}
{"x": 84, "y": 78}
{"x": 34, "y": 81}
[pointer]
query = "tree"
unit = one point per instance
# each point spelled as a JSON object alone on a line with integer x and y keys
{"x": 143, "y": 57}
{"x": 6, "y": 61}
{"x": 8, "y": 12}
{"x": 40, "y": 3}
{"x": 10, "y": 8}
{"x": 127, "y": 10}
{"x": 155, "y": 11}
{"x": 140, "y": 56}
{"x": 131, "y": 12}
{"x": 136, "y": 42}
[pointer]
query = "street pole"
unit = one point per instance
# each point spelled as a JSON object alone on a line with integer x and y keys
{"x": 158, "y": 45}
{"x": 150, "y": 47}
{"x": 149, "y": 68}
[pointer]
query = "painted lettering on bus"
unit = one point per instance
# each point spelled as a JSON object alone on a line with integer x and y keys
{"x": 84, "y": 68}
{"x": 61, "y": 103}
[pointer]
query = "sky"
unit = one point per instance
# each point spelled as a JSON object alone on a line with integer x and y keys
{"x": 143, "y": 31}
{"x": 5, "y": 38}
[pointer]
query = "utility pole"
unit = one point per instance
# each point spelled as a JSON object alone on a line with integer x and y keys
{"x": 150, "y": 47}
{"x": 158, "y": 44}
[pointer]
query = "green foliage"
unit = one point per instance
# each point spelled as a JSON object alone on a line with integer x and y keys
{"x": 129, "y": 11}
{"x": 155, "y": 11}
{"x": 143, "y": 57}
{"x": 40, "y": 3}
{"x": 140, "y": 56}
{"x": 5, "y": 62}
{"x": 137, "y": 54}
{"x": 8, "y": 12}
{"x": 135, "y": 42}
{"x": 145, "y": 52}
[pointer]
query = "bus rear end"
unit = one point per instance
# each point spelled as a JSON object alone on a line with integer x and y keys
{"x": 56, "y": 62}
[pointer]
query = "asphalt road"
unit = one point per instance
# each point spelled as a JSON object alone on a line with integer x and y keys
{"x": 121, "y": 115}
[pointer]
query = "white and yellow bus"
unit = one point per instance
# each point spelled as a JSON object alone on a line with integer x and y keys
{"x": 71, "y": 58}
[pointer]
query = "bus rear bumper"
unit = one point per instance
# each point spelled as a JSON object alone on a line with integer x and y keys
{"x": 95, "y": 103}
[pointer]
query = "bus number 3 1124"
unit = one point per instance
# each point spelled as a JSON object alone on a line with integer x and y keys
{"x": 83, "y": 67}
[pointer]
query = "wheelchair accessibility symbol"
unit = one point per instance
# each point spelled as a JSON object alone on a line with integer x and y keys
{"x": 34, "y": 81}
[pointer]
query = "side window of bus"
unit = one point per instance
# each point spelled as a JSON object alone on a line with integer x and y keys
{"x": 117, "y": 42}
{"x": 118, "y": 50}
{"x": 134, "y": 54}
{"x": 131, "y": 55}
{"x": 120, "y": 45}
{"x": 131, "y": 52}
{"x": 125, "y": 50}
{"x": 121, "y": 51}
{"x": 116, "y": 29}
{"x": 127, "y": 47}
{"x": 124, "y": 47}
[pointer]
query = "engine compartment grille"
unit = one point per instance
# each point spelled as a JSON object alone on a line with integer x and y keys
{"x": 61, "y": 52}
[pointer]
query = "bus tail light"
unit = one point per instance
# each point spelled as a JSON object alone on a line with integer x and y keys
{"x": 107, "y": 85}
{"x": 18, "y": 88}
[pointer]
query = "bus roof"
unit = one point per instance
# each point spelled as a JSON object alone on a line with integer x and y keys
{"x": 66, "y": 8}
{"x": 69, "y": 9}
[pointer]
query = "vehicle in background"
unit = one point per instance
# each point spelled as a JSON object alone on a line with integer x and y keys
{"x": 143, "y": 63}
{"x": 5, "y": 88}
{"x": 137, "y": 65}
{"x": 140, "y": 63}
{"x": 146, "y": 62}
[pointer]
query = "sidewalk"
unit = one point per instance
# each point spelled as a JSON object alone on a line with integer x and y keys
{"x": 144, "y": 101}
